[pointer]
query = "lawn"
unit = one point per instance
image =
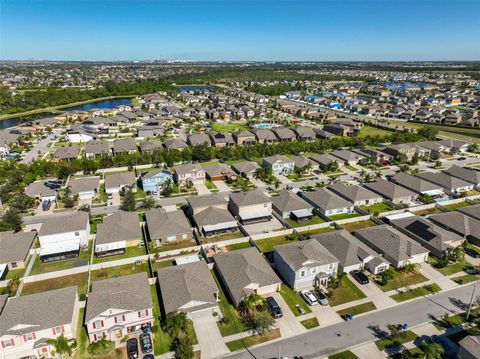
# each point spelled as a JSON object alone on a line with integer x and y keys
{"x": 294, "y": 300}
{"x": 402, "y": 279}
{"x": 338, "y": 217}
{"x": 310, "y": 323}
{"x": 172, "y": 246}
{"x": 453, "y": 321}
{"x": 377, "y": 208}
{"x": 211, "y": 186}
{"x": 228, "y": 127}
{"x": 119, "y": 271}
{"x": 457, "y": 132}
{"x": 223, "y": 237}
{"x": 234, "y": 247}
{"x": 308, "y": 234}
{"x": 162, "y": 264}
{"x": 129, "y": 252}
{"x": 346, "y": 292}
{"x": 232, "y": 323}
{"x": 417, "y": 292}
{"x": 266, "y": 245}
{"x": 83, "y": 259}
{"x": 358, "y": 309}
{"x": 310, "y": 222}
{"x": 16, "y": 273}
{"x": 455, "y": 206}
{"x": 80, "y": 280}
{"x": 428, "y": 211}
{"x": 343, "y": 355}
{"x": 391, "y": 342}
{"x": 252, "y": 340}
{"x": 372, "y": 131}
{"x": 463, "y": 279}
{"x": 450, "y": 268}
{"x": 161, "y": 340}
{"x": 355, "y": 226}
{"x": 414, "y": 351}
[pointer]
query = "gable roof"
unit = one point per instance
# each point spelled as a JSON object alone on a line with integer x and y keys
{"x": 245, "y": 167}
{"x": 458, "y": 222}
{"x": 214, "y": 199}
{"x": 414, "y": 183}
{"x": 174, "y": 144}
{"x": 353, "y": 192}
{"x": 119, "y": 179}
{"x": 466, "y": 174}
{"x": 249, "y": 198}
{"x": 15, "y": 247}
{"x": 84, "y": 184}
{"x": 287, "y": 201}
{"x": 73, "y": 222}
{"x": 120, "y": 226}
{"x": 124, "y": 145}
{"x": 97, "y": 147}
{"x": 161, "y": 223}
{"x": 444, "y": 180}
{"x": 326, "y": 200}
{"x": 388, "y": 189}
{"x": 304, "y": 254}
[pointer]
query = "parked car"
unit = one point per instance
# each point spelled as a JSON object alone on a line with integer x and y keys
{"x": 109, "y": 195}
{"x": 132, "y": 348}
{"x": 309, "y": 297}
{"x": 46, "y": 205}
{"x": 146, "y": 343}
{"x": 472, "y": 252}
{"x": 149, "y": 356}
{"x": 360, "y": 277}
{"x": 274, "y": 307}
{"x": 463, "y": 158}
{"x": 321, "y": 298}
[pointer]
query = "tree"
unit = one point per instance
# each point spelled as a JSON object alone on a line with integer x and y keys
{"x": 261, "y": 322}
{"x": 167, "y": 187}
{"x": 252, "y": 302}
{"x": 22, "y": 203}
{"x": 438, "y": 164}
{"x": 429, "y": 133}
{"x": 149, "y": 202}
{"x": 128, "y": 201}
{"x": 277, "y": 183}
{"x": 415, "y": 159}
{"x": 13, "y": 284}
{"x": 402, "y": 158}
{"x": 176, "y": 323}
{"x": 474, "y": 147}
{"x": 67, "y": 199}
{"x": 63, "y": 345}
{"x": 432, "y": 350}
{"x": 11, "y": 220}
{"x": 183, "y": 347}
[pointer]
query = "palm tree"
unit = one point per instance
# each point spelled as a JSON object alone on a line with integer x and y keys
{"x": 63, "y": 345}
{"x": 253, "y": 301}
{"x": 363, "y": 174}
{"x": 176, "y": 323}
{"x": 432, "y": 350}
{"x": 277, "y": 183}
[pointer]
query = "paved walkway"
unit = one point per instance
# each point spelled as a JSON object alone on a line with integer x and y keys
{"x": 209, "y": 337}
{"x": 288, "y": 324}
{"x": 368, "y": 350}
{"x": 374, "y": 294}
{"x": 431, "y": 273}
{"x": 326, "y": 315}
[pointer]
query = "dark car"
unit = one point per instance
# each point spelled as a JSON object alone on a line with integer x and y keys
{"x": 360, "y": 277}
{"x": 321, "y": 298}
{"x": 149, "y": 356}
{"x": 132, "y": 348}
{"x": 46, "y": 205}
{"x": 274, "y": 307}
{"x": 146, "y": 343}
{"x": 472, "y": 252}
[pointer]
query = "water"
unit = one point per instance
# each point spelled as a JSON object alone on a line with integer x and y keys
{"x": 196, "y": 88}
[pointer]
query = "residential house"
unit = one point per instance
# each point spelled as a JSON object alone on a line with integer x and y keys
{"x": 455, "y": 146}
{"x": 219, "y": 172}
{"x": 85, "y": 187}
{"x": 325, "y": 160}
{"x": 167, "y": 227}
{"x": 175, "y": 144}
{"x": 358, "y": 195}
{"x": 244, "y": 137}
{"x": 193, "y": 173}
{"x": 44, "y": 190}
{"x": 220, "y": 139}
{"x": 264, "y": 135}
{"x": 466, "y": 174}
{"x": 472, "y": 211}
{"x": 289, "y": 205}
{"x": 250, "y": 207}
{"x": 116, "y": 182}
{"x": 452, "y": 185}
{"x": 351, "y": 253}
{"x": 189, "y": 288}
{"x": 322, "y": 134}
{"x": 150, "y": 146}
{"x": 244, "y": 272}
{"x": 402, "y": 149}
{"x": 469, "y": 347}
{"x": 246, "y": 169}
{"x": 395, "y": 246}
{"x": 460, "y": 223}
{"x": 280, "y": 165}
{"x": 124, "y": 145}
{"x": 284, "y": 134}
{"x": 67, "y": 153}
{"x": 348, "y": 157}
{"x": 304, "y": 133}
{"x": 28, "y": 322}
{"x": 63, "y": 237}
{"x": 199, "y": 139}
{"x": 96, "y": 148}
{"x": 305, "y": 264}
{"x": 305, "y": 164}
{"x": 15, "y": 250}
{"x": 328, "y": 202}
{"x": 391, "y": 191}
{"x": 152, "y": 181}
{"x": 418, "y": 185}
{"x": 119, "y": 307}
{"x": 118, "y": 232}
{"x": 150, "y": 131}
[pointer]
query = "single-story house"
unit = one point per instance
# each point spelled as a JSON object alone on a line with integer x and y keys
{"x": 391, "y": 191}
{"x": 289, "y": 205}
{"x": 348, "y": 157}
{"x": 124, "y": 145}
{"x": 472, "y": 211}
{"x": 459, "y": 223}
{"x": 358, "y": 195}
{"x": 418, "y": 185}
{"x": 15, "y": 250}
{"x": 85, "y": 187}
{"x": 165, "y": 227}
{"x": 115, "y": 182}
{"x": 328, "y": 202}
{"x": 452, "y": 185}
{"x": 219, "y": 172}
{"x": 96, "y": 148}
{"x": 305, "y": 164}
{"x": 44, "y": 190}
{"x": 67, "y": 153}
{"x": 175, "y": 144}
{"x": 466, "y": 174}
{"x": 246, "y": 169}
{"x": 324, "y": 160}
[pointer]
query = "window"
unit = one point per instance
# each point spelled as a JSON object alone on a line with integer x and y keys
{"x": 302, "y": 273}
{"x": 314, "y": 270}
{"x": 97, "y": 324}
{"x": 330, "y": 266}
{"x": 28, "y": 337}
{"x": 184, "y": 236}
{"x": 57, "y": 330}
{"x": 119, "y": 318}
{"x": 8, "y": 343}
{"x": 14, "y": 264}
{"x": 77, "y": 234}
{"x": 143, "y": 313}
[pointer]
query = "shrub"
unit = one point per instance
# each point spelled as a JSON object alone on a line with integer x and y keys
{"x": 101, "y": 347}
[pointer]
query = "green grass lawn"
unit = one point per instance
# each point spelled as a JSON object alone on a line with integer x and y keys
{"x": 404, "y": 337}
{"x": 468, "y": 278}
{"x": 378, "y": 208}
{"x": 162, "y": 264}
{"x": 161, "y": 340}
{"x": 232, "y": 324}
{"x": 119, "y": 271}
{"x": 358, "y": 309}
{"x": 372, "y": 131}
{"x": 39, "y": 267}
{"x": 223, "y": 237}
{"x": 228, "y": 127}
{"x": 16, "y": 273}
{"x": 338, "y": 217}
{"x": 79, "y": 280}
{"x": 174, "y": 245}
{"x": 266, "y": 245}
{"x": 310, "y": 222}
{"x": 459, "y": 133}
{"x": 453, "y": 321}
{"x": 428, "y": 211}
{"x": 129, "y": 252}
{"x": 310, "y": 323}
{"x": 344, "y": 355}
{"x": 234, "y": 247}
{"x": 346, "y": 292}
{"x": 211, "y": 186}
{"x": 450, "y": 268}
{"x": 355, "y": 226}
{"x": 455, "y": 206}
{"x": 310, "y": 233}
{"x": 402, "y": 279}
{"x": 252, "y": 340}
{"x": 417, "y": 292}
{"x": 294, "y": 300}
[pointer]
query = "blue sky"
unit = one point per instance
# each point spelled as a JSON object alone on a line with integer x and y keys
{"x": 240, "y": 30}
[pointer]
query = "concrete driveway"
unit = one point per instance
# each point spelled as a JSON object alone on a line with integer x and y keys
{"x": 375, "y": 294}
{"x": 431, "y": 273}
{"x": 326, "y": 315}
{"x": 288, "y": 324}
{"x": 209, "y": 337}
{"x": 202, "y": 188}
{"x": 222, "y": 186}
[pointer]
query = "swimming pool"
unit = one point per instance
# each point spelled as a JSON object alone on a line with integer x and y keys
{"x": 264, "y": 125}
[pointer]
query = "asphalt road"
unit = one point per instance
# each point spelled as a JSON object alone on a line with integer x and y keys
{"x": 39, "y": 149}
{"x": 338, "y": 337}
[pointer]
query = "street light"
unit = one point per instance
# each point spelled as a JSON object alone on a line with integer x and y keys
{"x": 471, "y": 301}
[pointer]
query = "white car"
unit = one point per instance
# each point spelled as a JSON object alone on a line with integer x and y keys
{"x": 309, "y": 297}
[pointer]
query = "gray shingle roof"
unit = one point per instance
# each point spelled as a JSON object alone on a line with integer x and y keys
{"x": 466, "y": 174}
{"x": 163, "y": 224}
{"x": 287, "y": 201}
{"x": 120, "y": 226}
{"x": 472, "y": 211}
{"x": 347, "y": 156}
{"x": 272, "y": 159}
{"x": 249, "y": 198}
{"x": 66, "y": 223}
{"x": 245, "y": 167}
{"x": 67, "y": 152}
{"x": 213, "y": 215}
{"x": 124, "y": 145}
{"x": 388, "y": 189}
{"x": 15, "y": 247}
{"x": 187, "y": 168}
{"x": 84, "y": 184}
{"x": 38, "y": 188}
{"x": 97, "y": 147}
{"x": 353, "y": 192}
{"x": 215, "y": 199}
{"x": 120, "y": 179}
{"x": 444, "y": 180}
{"x": 414, "y": 183}
{"x": 458, "y": 222}
{"x": 324, "y": 159}
{"x": 300, "y": 254}
{"x": 326, "y": 200}
{"x": 150, "y": 145}
{"x": 174, "y": 144}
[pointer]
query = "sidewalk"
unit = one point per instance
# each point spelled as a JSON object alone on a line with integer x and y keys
{"x": 431, "y": 273}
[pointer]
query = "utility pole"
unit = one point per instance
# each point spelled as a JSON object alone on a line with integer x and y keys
{"x": 471, "y": 301}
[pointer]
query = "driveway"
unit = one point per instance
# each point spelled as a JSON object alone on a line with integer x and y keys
{"x": 209, "y": 337}
{"x": 431, "y": 273}
{"x": 288, "y": 324}
{"x": 40, "y": 148}
{"x": 202, "y": 188}
{"x": 368, "y": 350}
{"x": 375, "y": 294}
{"x": 222, "y": 186}
{"x": 326, "y": 315}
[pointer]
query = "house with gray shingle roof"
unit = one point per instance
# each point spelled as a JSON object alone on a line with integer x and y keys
{"x": 190, "y": 172}
{"x": 220, "y": 139}
{"x": 27, "y": 322}
{"x": 472, "y": 211}
{"x": 115, "y": 182}
{"x": 305, "y": 264}
{"x": 15, "y": 250}
{"x": 199, "y": 139}
{"x": 118, "y": 307}
{"x": 347, "y": 156}
{"x": 96, "y": 148}
{"x": 219, "y": 172}
{"x": 165, "y": 227}
{"x": 460, "y": 224}
{"x": 150, "y": 146}
{"x": 85, "y": 187}
{"x": 280, "y": 165}
{"x": 417, "y": 184}
{"x": 251, "y": 206}
{"x": 43, "y": 190}
{"x": 325, "y": 159}
{"x": 289, "y": 205}
{"x": 452, "y": 185}
{"x": 244, "y": 272}
{"x": 358, "y": 195}
{"x": 304, "y": 133}
{"x": 188, "y": 288}
{"x": 175, "y": 144}
{"x": 305, "y": 164}
{"x": 244, "y": 138}
{"x": 467, "y": 174}
{"x": 469, "y": 347}
{"x": 67, "y": 153}
{"x": 395, "y": 246}
{"x": 328, "y": 202}
{"x": 391, "y": 191}
{"x": 246, "y": 169}
{"x": 264, "y": 135}
{"x": 124, "y": 145}
{"x": 284, "y": 134}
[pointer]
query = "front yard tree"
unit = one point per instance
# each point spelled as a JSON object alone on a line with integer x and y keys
{"x": 63, "y": 345}
{"x": 428, "y": 133}
{"x": 252, "y": 302}
{"x": 11, "y": 220}
{"x": 432, "y": 350}
{"x": 149, "y": 203}
{"x": 183, "y": 347}
{"x": 261, "y": 322}
{"x": 176, "y": 323}
{"x": 128, "y": 201}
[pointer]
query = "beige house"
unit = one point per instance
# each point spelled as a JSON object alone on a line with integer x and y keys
{"x": 251, "y": 206}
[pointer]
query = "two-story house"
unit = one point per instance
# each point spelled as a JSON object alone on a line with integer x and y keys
{"x": 280, "y": 165}
{"x": 153, "y": 181}
{"x": 193, "y": 173}
{"x": 251, "y": 206}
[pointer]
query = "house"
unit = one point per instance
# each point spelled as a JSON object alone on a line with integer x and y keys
{"x": 62, "y": 237}
{"x": 220, "y": 139}
{"x": 15, "y": 250}
{"x": 67, "y": 153}
{"x": 96, "y": 148}
{"x": 116, "y": 182}
{"x": 289, "y": 205}
{"x": 251, "y": 206}
{"x": 322, "y": 134}
{"x": 150, "y": 131}
{"x": 119, "y": 307}
{"x": 304, "y": 133}
{"x": 167, "y": 227}
{"x": 358, "y": 195}
{"x": 435, "y": 238}
{"x": 29, "y": 321}
{"x": 348, "y": 157}
{"x": 210, "y": 214}
{"x": 472, "y": 211}
{"x": 391, "y": 191}
{"x": 219, "y": 172}
{"x": 244, "y": 272}
{"x": 466, "y": 174}
{"x": 246, "y": 169}
{"x": 328, "y": 202}
{"x": 395, "y": 246}
{"x": 351, "y": 253}
{"x": 469, "y": 347}
{"x": 188, "y": 288}
{"x": 264, "y": 135}
{"x": 284, "y": 134}
{"x": 118, "y": 231}
{"x": 402, "y": 149}
{"x": 305, "y": 264}
{"x": 152, "y": 181}
{"x": 193, "y": 173}
{"x": 44, "y": 190}
{"x": 150, "y": 146}
{"x": 124, "y": 145}
{"x": 85, "y": 187}
{"x": 280, "y": 165}
{"x": 460, "y": 223}
{"x": 452, "y": 185}
{"x": 455, "y": 146}
{"x": 325, "y": 160}
{"x": 418, "y": 185}
{"x": 199, "y": 139}
{"x": 244, "y": 137}
{"x": 305, "y": 164}
{"x": 175, "y": 144}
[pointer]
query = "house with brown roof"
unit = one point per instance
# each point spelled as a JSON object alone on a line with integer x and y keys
{"x": 244, "y": 138}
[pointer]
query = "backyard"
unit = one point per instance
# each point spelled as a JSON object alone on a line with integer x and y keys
{"x": 119, "y": 271}
{"x": 309, "y": 233}
{"x": 355, "y": 226}
{"x": 455, "y": 206}
{"x": 266, "y": 245}
{"x": 314, "y": 220}
{"x": 79, "y": 280}
{"x": 134, "y": 251}
{"x": 235, "y": 246}
{"x": 338, "y": 217}
{"x": 378, "y": 208}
